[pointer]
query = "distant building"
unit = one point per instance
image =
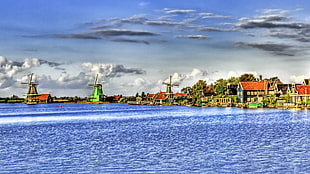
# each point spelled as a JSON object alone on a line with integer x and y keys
{"x": 179, "y": 97}
{"x": 162, "y": 97}
{"x": 32, "y": 96}
{"x": 43, "y": 98}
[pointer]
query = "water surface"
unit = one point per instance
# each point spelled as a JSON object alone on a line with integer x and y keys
{"x": 119, "y": 138}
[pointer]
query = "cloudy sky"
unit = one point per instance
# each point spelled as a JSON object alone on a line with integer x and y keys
{"x": 135, "y": 45}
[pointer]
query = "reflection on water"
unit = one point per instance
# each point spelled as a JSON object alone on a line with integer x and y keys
{"x": 117, "y": 138}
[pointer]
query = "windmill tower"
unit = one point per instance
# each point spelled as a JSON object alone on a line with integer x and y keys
{"x": 32, "y": 91}
{"x": 169, "y": 87}
{"x": 97, "y": 95}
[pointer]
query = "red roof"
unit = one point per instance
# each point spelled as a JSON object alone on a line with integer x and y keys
{"x": 303, "y": 89}
{"x": 116, "y": 97}
{"x": 161, "y": 96}
{"x": 42, "y": 97}
{"x": 180, "y": 94}
{"x": 253, "y": 85}
{"x": 151, "y": 95}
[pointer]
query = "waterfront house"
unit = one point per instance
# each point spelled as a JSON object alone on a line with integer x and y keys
{"x": 42, "y": 98}
{"x": 300, "y": 94}
{"x": 180, "y": 97}
{"x": 150, "y": 97}
{"x": 252, "y": 91}
{"x": 281, "y": 89}
{"x": 161, "y": 98}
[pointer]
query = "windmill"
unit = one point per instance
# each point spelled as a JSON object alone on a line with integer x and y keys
{"x": 32, "y": 91}
{"x": 97, "y": 95}
{"x": 169, "y": 87}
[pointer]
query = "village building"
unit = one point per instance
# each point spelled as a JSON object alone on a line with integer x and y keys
{"x": 161, "y": 98}
{"x": 252, "y": 91}
{"x": 180, "y": 97}
{"x": 300, "y": 94}
{"x": 42, "y": 98}
{"x": 32, "y": 96}
{"x": 113, "y": 99}
{"x": 306, "y": 82}
{"x": 231, "y": 89}
{"x": 281, "y": 89}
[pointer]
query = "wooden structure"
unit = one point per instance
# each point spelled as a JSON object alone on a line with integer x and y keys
{"x": 169, "y": 87}
{"x": 32, "y": 96}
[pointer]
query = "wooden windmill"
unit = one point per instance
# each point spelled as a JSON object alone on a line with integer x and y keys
{"x": 97, "y": 95}
{"x": 169, "y": 87}
{"x": 32, "y": 91}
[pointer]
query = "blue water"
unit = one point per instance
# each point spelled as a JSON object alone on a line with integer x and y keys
{"x": 118, "y": 138}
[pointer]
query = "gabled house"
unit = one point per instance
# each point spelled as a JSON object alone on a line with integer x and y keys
{"x": 43, "y": 98}
{"x": 300, "y": 94}
{"x": 179, "y": 97}
{"x": 150, "y": 97}
{"x": 161, "y": 98}
{"x": 282, "y": 89}
{"x": 306, "y": 82}
{"x": 252, "y": 91}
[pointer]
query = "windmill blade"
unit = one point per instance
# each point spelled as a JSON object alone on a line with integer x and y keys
{"x": 96, "y": 79}
{"x": 30, "y": 78}
{"x": 165, "y": 83}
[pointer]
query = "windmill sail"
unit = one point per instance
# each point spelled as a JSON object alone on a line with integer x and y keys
{"x": 169, "y": 85}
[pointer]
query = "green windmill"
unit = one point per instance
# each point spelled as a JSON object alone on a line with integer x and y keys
{"x": 97, "y": 95}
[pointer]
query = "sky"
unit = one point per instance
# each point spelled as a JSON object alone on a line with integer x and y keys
{"x": 135, "y": 45}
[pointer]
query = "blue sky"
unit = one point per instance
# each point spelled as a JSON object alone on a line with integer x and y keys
{"x": 135, "y": 45}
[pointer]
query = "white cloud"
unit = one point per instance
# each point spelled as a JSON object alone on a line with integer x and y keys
{"x": 297, "y": 79}
{"x": 110, "y": 70}
{"x": 232, "y": 74}
{"x": 189, "y": 79}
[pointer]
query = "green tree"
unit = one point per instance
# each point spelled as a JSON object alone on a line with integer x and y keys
{"x": 247, "y": 78}
{"x": 275, "y": 80}
{"x": 210, "y": 89}
{"x": 198, "y": 89}
{"x": 220, "y": 86}
{"x": 186, "y": 89}
{"x": 143, "y": 95}
{"x": 233, "y": 80}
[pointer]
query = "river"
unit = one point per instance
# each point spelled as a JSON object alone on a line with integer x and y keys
{"x": 120, "y": 138}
